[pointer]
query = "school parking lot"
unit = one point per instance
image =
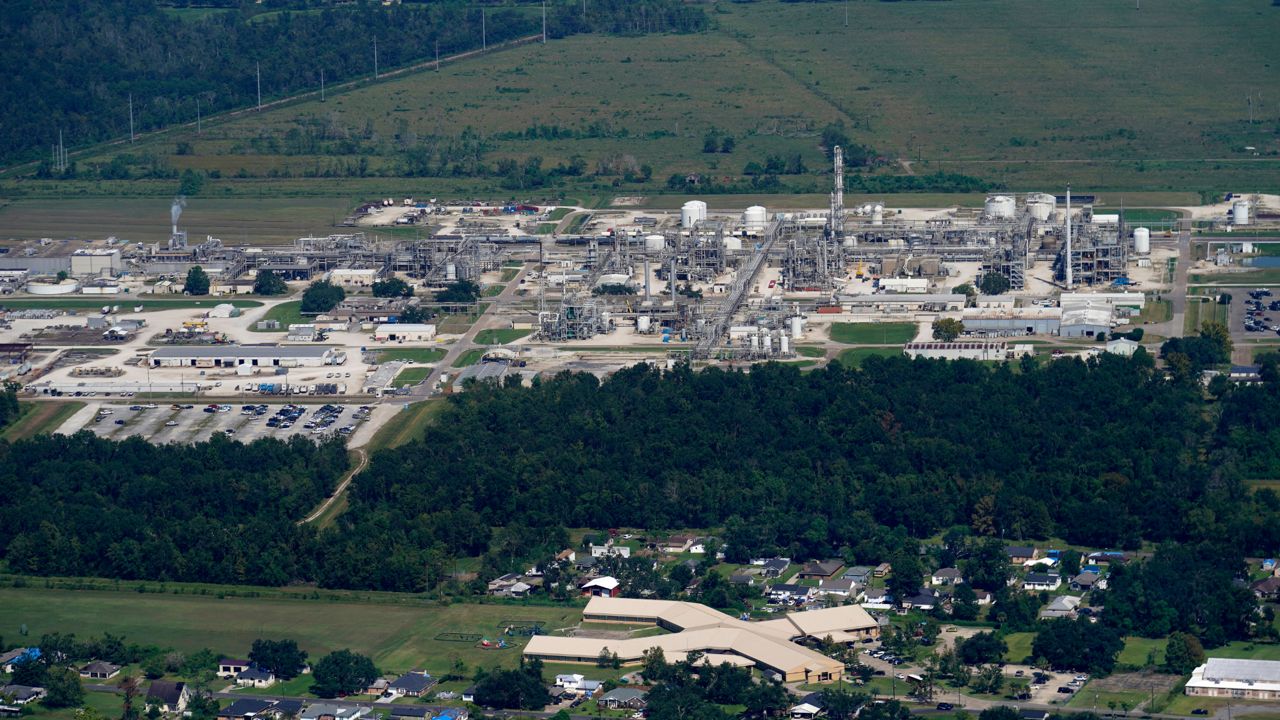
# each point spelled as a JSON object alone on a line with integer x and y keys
{"x": 246, "y": 422}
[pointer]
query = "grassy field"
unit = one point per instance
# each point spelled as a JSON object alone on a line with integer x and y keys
{"x": 1155, "y": 311}
{"x": 853, "y": 357}
{"x": 873, "y": 333}
{"x": 259, "y": 220}
{"x": 1136, "y": 650}
{"x": 412, "y": 376}
{"x": 470, "y": 357}
{"x": 125, "y": 302}
{"x": 1250, "y": 651}
{"x": 107, "y": 705}
{"x": 1102, "y": 699}
{"x": 810, "y": 351}
{"x": 422, "y": 355}
{"x": 398, "y": 638}
{"x": 500, "y": 336}
{"x": 287, "y": 313}
{"x": 1019, "y": 646}
{"x": 1201, "y": 312}
{"x": 39, "y": 417}
{"x": 408, "y": 426}
{"x": 963, "y": 87}
{"x": 1267, "y": 276}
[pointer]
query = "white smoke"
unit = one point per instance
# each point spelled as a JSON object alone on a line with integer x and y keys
{"x": 175, "y": 210}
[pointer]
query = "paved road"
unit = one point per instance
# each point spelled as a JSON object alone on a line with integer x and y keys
{"x": 1178, "y": 295}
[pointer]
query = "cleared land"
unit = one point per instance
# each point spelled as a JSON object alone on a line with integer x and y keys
{"x": 39, "y": 417}
{"x": 398, "y": 638}
{"x": 412, "y": 376}
{"x": 873, "y": 333}
{"x": 408, "y": 425}
{"x": 1020, "y": 94}
{"x": 286, "y": 313}
{"x": 500, "y": 336}
{"x": 853, "y": 357}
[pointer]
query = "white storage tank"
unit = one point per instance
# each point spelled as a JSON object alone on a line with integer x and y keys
{"x": 692, "y": 212}
{"x": 797, "y": 327}
{"x": 655, "y": 243}
{"x": 1142, "y": 241}
{"x": 1240, "y": 212}
{"x": 784, "y": 345}
{"x": 643, "y": 323}
{"x": 1041, "y": 205}
{"x": 877, "y": 215}
{"x": 732, "y": 242}
{"x": 755, "y": 218}
{"x": 999, "y": 207}
{"x": 52, "y": 286}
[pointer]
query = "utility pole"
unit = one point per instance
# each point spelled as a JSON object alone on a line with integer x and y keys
{"x": 258, "y": 66}
{"x": 130, "y": 117}
{"x": 437, "y": 55}
{"x": 321, "y": 84}
{"x": 544, "y": 22}
{"x": 375, "y": 57}
{"x": 484, "y": 31}
{"x": 199, "y": 126}
{"x": 846, "y": 13}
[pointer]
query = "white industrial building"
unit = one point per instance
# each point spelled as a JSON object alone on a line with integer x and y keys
{"x": 1231, "y": 678}
{"x": 889, "y": 302}
{"x": 96, "y": 261}
{"x": 965, "y": 350}
{"x": 905, "y": 285}
{"x": 1012, "y": 322}
{"x": 353, "y": 277}
{"x": 231, "y": 356}
{"x": 1085, "y": 320}
{"x": 404, "y": 332}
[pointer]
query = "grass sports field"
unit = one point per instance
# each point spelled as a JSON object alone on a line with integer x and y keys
{"x": 873, "y": 333}
{"x": 1027, "y": 95}
{"x": 397, "y": 637}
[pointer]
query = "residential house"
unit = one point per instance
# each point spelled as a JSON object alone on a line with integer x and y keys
{"x": 570, "y": 681}
{"x": 623, "y": 698}
{"x": 586, "y": 563}
{"x": 984, "y": 597}
{"x": 411, "y": 712}
{"x": 245, "y": 709}
{"x": 881, "y": 570}
{"x": 1042, "y": 581}
{"x": 1020, "y": 554}
{"x": 926, "y": 599}
{"x": 1246, "y": 373}
{"x": 469, "y": 695}
{"x": 1109, "y": 557}
{"x": 699, "y": 546}
{"x": 947, "y": 576}
{"x": 1267, "y": 588}
{"x": 841, "y": 587}
{"x": 378, "y": 687}
{"x": 256, "y": 677}
{"x": 742, "y": 579}
{"x": 168, "y": 696}
{"x": 1033, "y": 714}
{"x": 877, "y": 599}
{"x": 285, "y": 709}
{"x": 412, "y": 684}
{"x": 16, "y": 655}
{"x": 821, "y": 569}
{"x": 1269, "y": 565}
{"x": 809, "y": 707}
{"x": 231, "y": 667}
{"x": 559, "y": 694}
{"x": 601, "y": 587}
{"x": 99, "y": 670}
{"x": 677, "y": 544}
{"x": 1063, "y": 606}
{"x": 789, "y": 593}
{"x": 774, "y": 567}
{"x": 610, "y": 550}
{"x": 1088, "y": 580}
{"x": 566, "y": 555}
{"x": 22, "y": 694}
{"x": 452, "y": 714}
{"x": 324, "y": 711}
{"x": 860, "y": 574}
{"x": 588, "y": 688}
{"x": 509, "y": 585}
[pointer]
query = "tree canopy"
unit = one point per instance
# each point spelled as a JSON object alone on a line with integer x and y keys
{"x": 268, "y": 283}
{"x": 197, "y": 282}
{"x": 322, "y": 296}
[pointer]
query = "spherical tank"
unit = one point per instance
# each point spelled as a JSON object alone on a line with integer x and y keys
{"x": 755, "y": 218}
{"x": 1240, "y": 212}
{"x": 1141, "y": 241}
{"x": 654, "y": 243}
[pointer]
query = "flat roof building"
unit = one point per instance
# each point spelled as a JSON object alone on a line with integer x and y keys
{"x": 1246, "y": 679}
{"x": 720, "y": 638}
{"x": 230, "y": 356}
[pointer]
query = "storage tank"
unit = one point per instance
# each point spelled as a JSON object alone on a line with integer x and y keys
{"x": 999, "y": 207}
{"x": 656, "y": 243}
{"x": 643, "y": 323}
{"x": 1142, "y": 241}
{"x": 732, "y": 242}
{"x": 692, "y": 212}
{"x": 797, "y": 327}
{"x": 52, "y": 286}
{"x": 755, "y": 218}
{"x": 877, "y": 215}
{"x": 784, "y": 345}
{"x": 1041, "y": 205}
{"x": 1240, "y": 212}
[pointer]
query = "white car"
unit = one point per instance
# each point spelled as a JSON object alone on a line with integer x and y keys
{"x": 171, "y": 423}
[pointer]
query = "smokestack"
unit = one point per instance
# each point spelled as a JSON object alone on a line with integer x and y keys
{"x": 1069, "y": 237}
{"x": 175, "y": 211}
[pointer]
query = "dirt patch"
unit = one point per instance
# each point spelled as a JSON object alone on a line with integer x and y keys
{"x": 628, "y": 201}
{"x": 1144, "y": 681}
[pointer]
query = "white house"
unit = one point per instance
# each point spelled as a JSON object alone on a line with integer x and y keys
{"x": 610, "y": 550}
{"x": 1042, "y": 581}
{"x": 947, "y": 576}
{"x": 255, "y": 677}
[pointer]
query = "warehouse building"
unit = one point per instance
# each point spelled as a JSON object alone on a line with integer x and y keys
{"x": 1010, "y": 322}
{"x": 1230, "y": 678}
{"x": 404, "y": 332}
{"x": 770, "y": 645}
{"x": 1085, "y": 320}
{"x": 965, "y": 350}
{"x": 231, "y": 356}
{"x": 96, "y": 261}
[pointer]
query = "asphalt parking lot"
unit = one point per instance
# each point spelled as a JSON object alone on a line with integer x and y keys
{"x": 1264, "y": 318}
{"x": 164, "y": 423}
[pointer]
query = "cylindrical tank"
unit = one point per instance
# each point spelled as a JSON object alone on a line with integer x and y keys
{"x": 732, "y": 242}
{"x": 655, "y": 243}
{"x": 999, "y": 207}
{"x": 643, "y": 324}
{"x": 755, "y": 218}
{"x": 1141, "y": 241}
{"x": 784, "y": 345}
{"x": 797, "y": 327}
{"x": 768, "y": 343}
{"x": 1041, "y": 205}
{"x": 450, "y": 271}
{"x": 52, "y": 286}
{"x": 692, "y": 212}
{"x": 755, "y": 341}
{"x": 877, "y": 215}
{"x": 1240, "y": 212}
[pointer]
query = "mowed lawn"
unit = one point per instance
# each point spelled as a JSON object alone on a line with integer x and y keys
{"x": 1019, "y": 646}
{"x": 397, "y": 637}
{"x": 873, "y": 333}
{"x": 1137, "y": 650}
{"x": 853, "y": 357}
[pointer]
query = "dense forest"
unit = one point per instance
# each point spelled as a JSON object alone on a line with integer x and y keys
{"x": 219, "y": 511}
{"x": 73, "y": 65}
{"x": 857, "y": 463}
